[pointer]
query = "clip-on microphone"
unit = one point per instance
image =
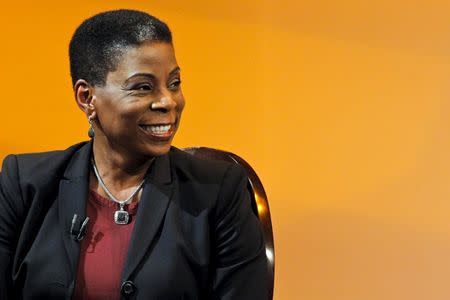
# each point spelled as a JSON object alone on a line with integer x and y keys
{"x": 79, "y": 234}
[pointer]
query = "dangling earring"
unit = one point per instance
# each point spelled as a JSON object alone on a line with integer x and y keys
{"x": 91, "y": 132}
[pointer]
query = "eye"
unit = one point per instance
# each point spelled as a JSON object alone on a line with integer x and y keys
{"x": 143, "y": 87}
{"x": 175, "y": 85}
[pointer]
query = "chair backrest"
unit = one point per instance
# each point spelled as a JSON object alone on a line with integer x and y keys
{"x": 260, "y": 203}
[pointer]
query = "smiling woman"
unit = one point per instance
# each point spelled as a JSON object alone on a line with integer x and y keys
{"x": 140, "y": 104}
{"x": 126, "y": 215}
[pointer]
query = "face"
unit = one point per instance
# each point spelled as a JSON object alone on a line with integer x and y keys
{"x": 139, "y": 108}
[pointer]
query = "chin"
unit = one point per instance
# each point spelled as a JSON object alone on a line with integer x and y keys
{"x": 158, "y": 150}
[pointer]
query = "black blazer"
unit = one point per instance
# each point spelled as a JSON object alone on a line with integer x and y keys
{"x": 195, "y": 235}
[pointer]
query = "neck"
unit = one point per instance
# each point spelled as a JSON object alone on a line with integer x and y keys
{"x": 119, "y": 170}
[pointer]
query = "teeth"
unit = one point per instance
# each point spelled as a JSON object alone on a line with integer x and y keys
{"x": 160, "y": 129}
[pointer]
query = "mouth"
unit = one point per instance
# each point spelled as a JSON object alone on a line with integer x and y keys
{"x": 160, "y": 131}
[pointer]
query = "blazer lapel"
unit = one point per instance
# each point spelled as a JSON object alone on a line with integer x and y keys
{"x": 73, "y": 193}
{"x": 152, "y": 209}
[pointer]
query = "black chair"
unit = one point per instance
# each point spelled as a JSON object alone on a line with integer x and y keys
{"x": 260, "y": 203}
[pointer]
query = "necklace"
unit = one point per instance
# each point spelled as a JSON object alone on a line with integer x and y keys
{"x": 121, "y": 216}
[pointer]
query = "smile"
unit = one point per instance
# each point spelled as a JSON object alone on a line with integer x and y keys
{"x": 158, "y": 130}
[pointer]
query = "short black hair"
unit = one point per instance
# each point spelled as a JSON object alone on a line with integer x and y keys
{"x": 99, "y": 42}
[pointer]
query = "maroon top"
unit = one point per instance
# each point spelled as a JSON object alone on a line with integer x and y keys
{"x": 103, "y": 250}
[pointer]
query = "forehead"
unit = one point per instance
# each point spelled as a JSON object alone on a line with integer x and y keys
{"x": 150, "y": 57}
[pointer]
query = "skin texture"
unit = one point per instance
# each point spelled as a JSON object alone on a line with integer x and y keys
{"x": 143, "y": 90}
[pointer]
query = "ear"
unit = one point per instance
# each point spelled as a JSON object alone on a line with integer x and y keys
{"x": 84, "y": 97}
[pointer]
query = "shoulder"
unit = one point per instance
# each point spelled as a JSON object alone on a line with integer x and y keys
{"x": 38, "y": 166}
{"x": 202, "y": 169}
{"x": 207, "y": 182}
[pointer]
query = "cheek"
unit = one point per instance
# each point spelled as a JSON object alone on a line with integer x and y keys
{"x": 180, "y": 103}
{"x": 119, "y": 117}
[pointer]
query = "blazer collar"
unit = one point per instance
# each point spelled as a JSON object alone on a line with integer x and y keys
{"x": 79, "y": 165}
{"x": 73, "y": 193}
{"x": 152, "y": 209}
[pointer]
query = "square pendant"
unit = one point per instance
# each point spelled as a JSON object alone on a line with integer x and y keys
{"x": 121, "y": 217}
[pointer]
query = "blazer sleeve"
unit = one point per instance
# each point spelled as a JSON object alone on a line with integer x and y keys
{"x": 240, "y": 260}
{"x": 11, "y": 210}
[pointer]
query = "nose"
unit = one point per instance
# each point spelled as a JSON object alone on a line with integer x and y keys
{"x": 165, "y": 104}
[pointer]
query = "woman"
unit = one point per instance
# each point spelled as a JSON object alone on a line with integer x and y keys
{"x": 126, "y": 215}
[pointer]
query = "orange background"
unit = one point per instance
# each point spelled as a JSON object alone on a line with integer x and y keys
{"x": 341, "y": 106}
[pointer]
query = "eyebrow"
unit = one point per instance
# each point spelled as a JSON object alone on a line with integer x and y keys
{"x": 150, "y": 75}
